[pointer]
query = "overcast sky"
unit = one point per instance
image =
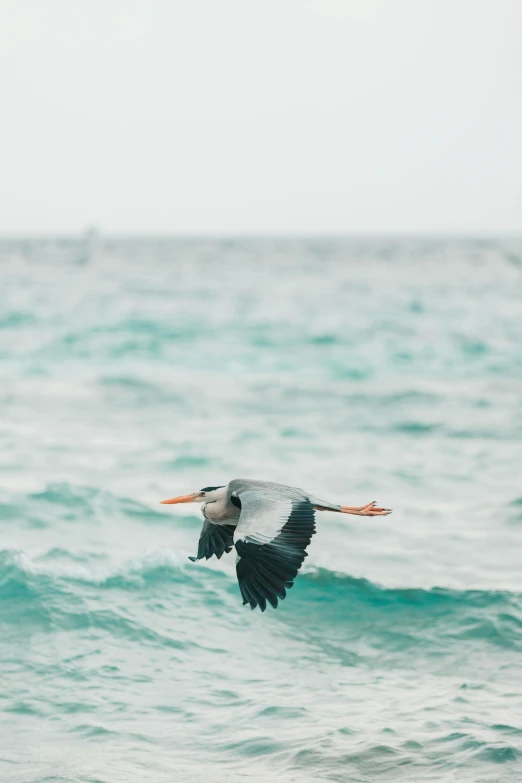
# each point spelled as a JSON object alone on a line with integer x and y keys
{"x": 281, "y": 116}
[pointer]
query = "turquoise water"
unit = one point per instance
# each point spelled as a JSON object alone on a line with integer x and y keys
{"x": 362, "y": 370}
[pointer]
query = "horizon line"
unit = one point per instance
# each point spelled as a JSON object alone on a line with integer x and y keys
{"x": 94, "y": 231}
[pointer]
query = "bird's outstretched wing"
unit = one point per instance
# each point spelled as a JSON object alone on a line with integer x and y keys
{"x": 214, "y": 540}
{"x": 275, "y": 527}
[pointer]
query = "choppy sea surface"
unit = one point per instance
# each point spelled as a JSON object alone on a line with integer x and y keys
{"x": 377, "y": 369}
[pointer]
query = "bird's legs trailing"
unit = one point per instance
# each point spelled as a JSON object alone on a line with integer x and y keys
{"x": 369, "y": 510}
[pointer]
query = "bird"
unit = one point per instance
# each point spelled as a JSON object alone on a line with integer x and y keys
{"x": 269, "y": 525}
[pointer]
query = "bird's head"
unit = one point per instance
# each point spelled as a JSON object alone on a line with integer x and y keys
{"x": 205, "y": 495}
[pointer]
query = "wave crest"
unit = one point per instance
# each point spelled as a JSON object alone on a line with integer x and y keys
{"x": 329, "y": 605}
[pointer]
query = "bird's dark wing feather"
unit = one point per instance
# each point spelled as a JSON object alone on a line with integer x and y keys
{"x": 271, "y": 553}
{"x": 214, "y": 540}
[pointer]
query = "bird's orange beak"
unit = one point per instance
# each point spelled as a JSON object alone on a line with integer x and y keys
{"x": 182, "y": 499}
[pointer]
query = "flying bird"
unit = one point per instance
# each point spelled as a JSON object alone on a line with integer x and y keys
{"x": 270, "y": 525}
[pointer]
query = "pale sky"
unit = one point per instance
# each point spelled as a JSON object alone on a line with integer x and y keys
{"x": 261, "y": 116}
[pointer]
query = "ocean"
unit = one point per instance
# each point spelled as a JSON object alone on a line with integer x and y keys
{"x": 360, "y": 369}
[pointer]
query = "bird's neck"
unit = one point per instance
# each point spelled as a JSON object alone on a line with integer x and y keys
{"x": 219, "y": 510}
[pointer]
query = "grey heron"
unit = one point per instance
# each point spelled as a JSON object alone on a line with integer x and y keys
{"x": 270, "y": 525}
